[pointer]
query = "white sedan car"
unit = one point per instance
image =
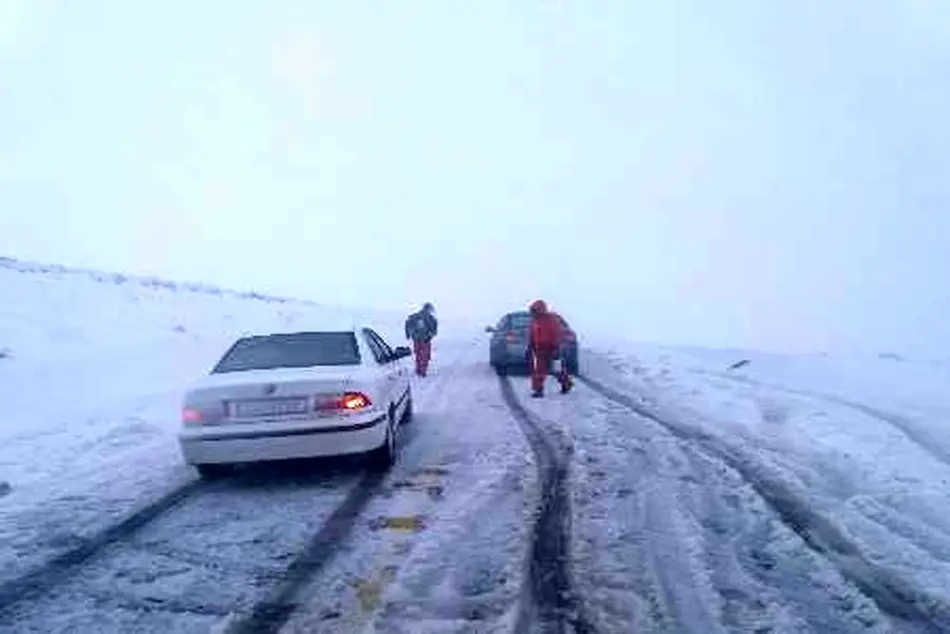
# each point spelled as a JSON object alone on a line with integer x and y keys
{"x": 298, "y": 395}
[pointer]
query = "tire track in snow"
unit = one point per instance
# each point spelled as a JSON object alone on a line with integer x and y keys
{"x": 675, "y": 540}
{"x": 647, "y": 510}
{"x": 554, "y": 604}
{"x": 221, "y": 515}
{"x": 894, "y": 595}
{"x": 57, "y": 570}
{"x": 38, "y": 584}
{"x": 270, "y": 613}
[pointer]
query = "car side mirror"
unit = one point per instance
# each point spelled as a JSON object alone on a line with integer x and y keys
{"x": 401, "y": 352}
{"x": 489, "y": 329}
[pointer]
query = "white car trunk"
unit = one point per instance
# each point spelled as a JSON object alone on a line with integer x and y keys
{"x": 257, "y": 395}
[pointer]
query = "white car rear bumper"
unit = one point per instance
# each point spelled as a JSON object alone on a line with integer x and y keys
{"x": 261, "y": 442}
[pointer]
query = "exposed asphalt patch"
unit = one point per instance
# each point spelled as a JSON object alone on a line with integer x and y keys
{"x": 893, "y": 595}
{"x": 269, "y": 614}
{"x": 42, "y": 579}
{"x": 554, "y": 605}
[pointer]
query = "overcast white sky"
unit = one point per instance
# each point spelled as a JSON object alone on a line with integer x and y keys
{"x": 770, "y": 174}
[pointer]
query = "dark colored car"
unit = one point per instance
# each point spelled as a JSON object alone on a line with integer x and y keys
{"x": 508, "y": 349}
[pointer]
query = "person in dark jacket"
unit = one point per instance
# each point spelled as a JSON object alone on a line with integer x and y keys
{"x": 545, "y": 341}
{"x": 421, "y": 329}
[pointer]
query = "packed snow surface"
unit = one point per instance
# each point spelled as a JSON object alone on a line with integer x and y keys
{"x": 791, "y": 493}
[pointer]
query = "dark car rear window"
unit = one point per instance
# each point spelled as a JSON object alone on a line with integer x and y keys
{"x": 294, "y": 350}
{"x": 519, "y": 321}
{"x": 522, "y": 321}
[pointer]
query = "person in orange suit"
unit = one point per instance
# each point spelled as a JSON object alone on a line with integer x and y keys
{"x": 545, "y": 341}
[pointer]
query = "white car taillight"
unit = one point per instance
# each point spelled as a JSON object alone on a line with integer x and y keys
{"x": 191, "y": 416}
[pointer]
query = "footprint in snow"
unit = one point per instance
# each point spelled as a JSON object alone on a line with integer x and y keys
{"x": 5, "y": 489}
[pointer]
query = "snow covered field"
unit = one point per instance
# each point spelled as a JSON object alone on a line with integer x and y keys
{"x": 792, "y": 494}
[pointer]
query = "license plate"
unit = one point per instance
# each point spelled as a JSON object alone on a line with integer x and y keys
{"x": 269, "y": 407}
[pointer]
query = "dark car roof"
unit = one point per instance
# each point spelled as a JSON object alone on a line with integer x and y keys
{"x": 524, "y": 313}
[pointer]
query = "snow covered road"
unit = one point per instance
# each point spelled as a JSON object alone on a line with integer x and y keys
{"x": 443, "y": 549}
{"x": 552, "y": 601}
{"x": 713, "y": 525}
{"x": 667, "y": 494}
{"x": 436, "y": 546}
{"x": 595, "y": 512}
{"x": 186, "y": 568}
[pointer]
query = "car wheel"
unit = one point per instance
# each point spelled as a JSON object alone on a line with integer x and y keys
{"x": 501, "y": 369}
{"x": 213, "y": 471}
{"x": 573, "y": 365}
{"x": 407, "y": 414}
{"x": 383, "y": 457}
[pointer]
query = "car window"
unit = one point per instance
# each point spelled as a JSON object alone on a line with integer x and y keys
{"x": 387, "y": 350}
{"x": 380, "y": 348}
{"x": 378, "y": 352}
{"x": 519, "y": 321}
{"x": 292, "y": 350}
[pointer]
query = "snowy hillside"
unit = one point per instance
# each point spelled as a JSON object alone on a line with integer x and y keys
{"x": 51, "y": 311}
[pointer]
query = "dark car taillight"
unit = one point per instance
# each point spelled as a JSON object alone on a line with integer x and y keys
{"x": 514, "y": 336}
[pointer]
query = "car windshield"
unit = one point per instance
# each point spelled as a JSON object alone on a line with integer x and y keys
{"x": 296, "y": 350}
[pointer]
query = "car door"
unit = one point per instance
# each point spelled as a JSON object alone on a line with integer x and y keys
{"x": 497, "y": 345}
{"x": 382, "y": 381}
{"x": 400, "y": 369}
{"x": 404, "y": 370}
{"x": 389, "y": 369}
